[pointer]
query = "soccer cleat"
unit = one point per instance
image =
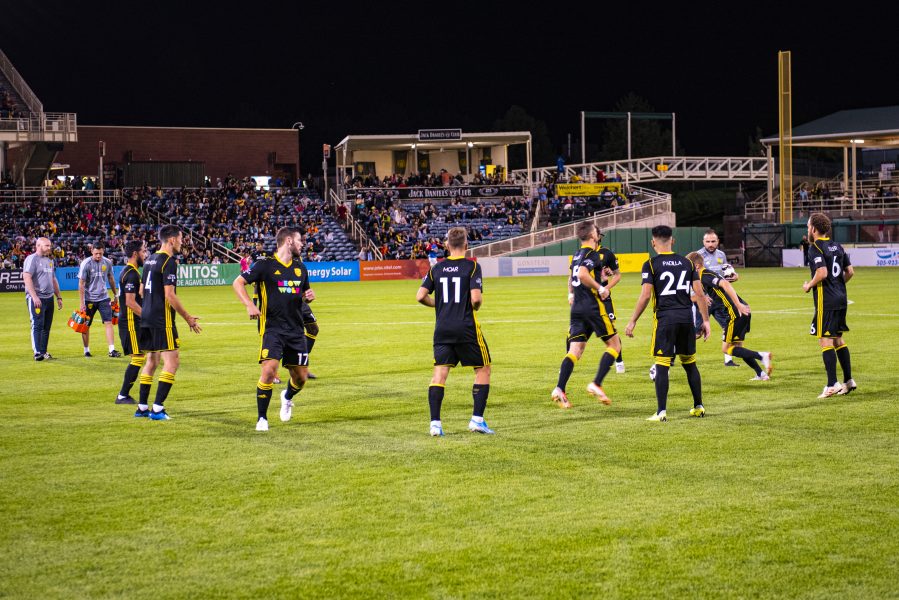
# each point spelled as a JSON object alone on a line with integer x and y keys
{"x": 597, "y": 391}
{"x": 142, "y": 413}
{"x": 436, "y": 429}
{"x": 731, "y": 363}
{"x": 481, "y": 427}
{"x": 660, "y": 417}
{"x": 311, "y": 376}
{"x": 160, "y": 416}
{"x": 652, "y": 372}
{"x": 115, "y": 354}
{"x": 88, "y": 355}
{"x": 761, "y": 377}
{"x": 767, "y": 362}
{"x": 38, "y": 357}
{"x": 48, "y": 356}
{"x": 262, "y": 425}
{"x": 697, "y": 411}
{"x": 831, "y": 390}
{"x": 286, "y": 407}
{"x": 277, "y": 381}
{"x": 847, "y": 387}
{"x": 561, "y": 397}
{"x": 619, "y": 367}
{"x": 125, "y": 400}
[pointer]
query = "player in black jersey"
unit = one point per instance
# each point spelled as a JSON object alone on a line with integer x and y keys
{"x": 830, "y": 269}
{"x": 667, "y": 281}
{"x": 737, "y": 324}
{"x": 158, "y": 334}
{"x": 129, "y": 317}
{"x": 457, "y": 286}
{"x": 283, "y": 283}
{"x": 589, "y": 315}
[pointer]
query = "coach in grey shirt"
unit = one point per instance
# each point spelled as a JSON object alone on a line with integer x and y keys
{"x": 714, "y": 260}
{"x": 93, "y": 275}
{"x": 40, "y": 287}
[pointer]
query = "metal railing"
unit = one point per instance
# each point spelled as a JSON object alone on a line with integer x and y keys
{"x": 624, "y": 216}
{"x": 659, "y": 168}
{"x": 864, "y": 207}
{"x": 353, "y": 228}
{"x": 42, "y": 127}
{"x": 19, "y": 85}
{"x": 216, "y": 247}
{"x": 43, "y": 194}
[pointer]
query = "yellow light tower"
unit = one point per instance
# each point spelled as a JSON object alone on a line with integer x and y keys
{"x": 785, "y": 121}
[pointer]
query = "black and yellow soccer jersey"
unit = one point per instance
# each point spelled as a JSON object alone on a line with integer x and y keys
{"x": 607, "y": 260}
{"x": 282, "y": 290}
{"x": 451, "y": 282}
{"x": 830, "y": 293}
{"x": 711, "y": 284}
{"x": 586, "y": 299}
{"x": 160, "y": 270}
{"x": 671, "y": 276}
{"x": 129, "y": 283}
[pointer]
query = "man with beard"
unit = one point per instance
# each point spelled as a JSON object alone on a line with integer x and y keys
{"x": 129, "y": 317}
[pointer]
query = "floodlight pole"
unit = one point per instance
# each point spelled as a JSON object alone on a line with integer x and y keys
{"x": 299, "y": 127}
{"x": 673, "y": 129}
{"x": 583, "y": 145}
{"x": 628, "y": 140}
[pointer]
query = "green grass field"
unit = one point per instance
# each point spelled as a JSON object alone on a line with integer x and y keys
{"x": 773, "y": 494}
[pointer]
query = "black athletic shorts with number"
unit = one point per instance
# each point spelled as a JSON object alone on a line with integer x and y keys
{"x": 287, "y": 346}
{"x": 671, "y": 277}
{"x": 829, "y": 323}
{"x": 589, "y": 313}
{"x": 159, "y": 339}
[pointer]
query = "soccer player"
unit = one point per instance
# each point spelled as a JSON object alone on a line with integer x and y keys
{"x": 129, "y": 319}
{"x": 39, "y": 274}
{"x": 714, "y": 260}
{"x": 457, "y": 288}
{"x": 158, "y": 334}
{"x": 93, "y": 275}
{"x": 830, "y": 268}
{"x": 738, "y": 319}
{"x": 283, "y": 283}
{"x": 667, "y": 281}
{"x": 589, "y": 315}
{"x": 310, "y": 326}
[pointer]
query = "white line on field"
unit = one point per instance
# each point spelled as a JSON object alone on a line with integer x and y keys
{"x": 430, "y": 322}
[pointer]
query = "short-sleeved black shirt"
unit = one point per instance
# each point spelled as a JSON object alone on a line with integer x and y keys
{"x": 711, "y": 283}
{"x": 586, "y": 299}
{"x": 607, "y": 260}
{"x": 671, "y": 276}
{"x": 281, "y": 293}
{"x": 160, "y": 270}
{"x": 830, "y": 293}
{"x": 129, "y": 283}
{"x": 451, "y": 282}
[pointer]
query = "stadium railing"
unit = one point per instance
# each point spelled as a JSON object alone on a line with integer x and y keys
{"x": 864, "y": 206}
{"x": 207, "y": 243}
{"x": 42, "y": 194}
{"x": 353, "y": 228}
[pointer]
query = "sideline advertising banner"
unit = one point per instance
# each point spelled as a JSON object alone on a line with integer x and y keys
{"x": 860, "y": 257}
{"x": 381, "y": 270}
{"x": 11, "y": 280}
{"x": 333, "y": 271}
{"x": 465, "y": 192}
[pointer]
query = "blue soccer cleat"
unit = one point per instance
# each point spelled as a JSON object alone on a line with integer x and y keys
{"x": 142, "y": 413}
{"x": 436, "y": 429}
{"x": 479, "y": 427}
{"x": 160, "y": 416}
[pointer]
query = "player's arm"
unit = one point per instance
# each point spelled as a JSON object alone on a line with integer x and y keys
{"x": 132, "y": 303}
{"x": 820, "y": 275}
{"x": 172, "y": 298}
{"x": 645, "y": 294}
{"x": 424, "y": 297}
{"x": 584, "y": 276}
{"x": 614, "y": 276}
{"x": 240, "y": 288}
{"x": 703, "y": 310}
{"x": 112, "y": 285}
{"x": 308, "y": 293}
{"x": 476, "y": 299}
{"x": 848, "y": 272}
{"x": 728, "y": 289}
{"x": 815, "y": 259}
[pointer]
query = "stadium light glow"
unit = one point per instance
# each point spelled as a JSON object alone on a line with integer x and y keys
{"x": 857, "y": 141}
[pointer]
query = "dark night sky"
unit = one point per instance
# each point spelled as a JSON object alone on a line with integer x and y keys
{"x": 349, "y": 67}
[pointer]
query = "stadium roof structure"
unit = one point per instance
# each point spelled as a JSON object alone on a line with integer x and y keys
{"x": 411, "y": 141}
{"x": 864, "y": 127}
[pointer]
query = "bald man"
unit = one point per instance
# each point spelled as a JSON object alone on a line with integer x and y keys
{"x": 41, "y": 285}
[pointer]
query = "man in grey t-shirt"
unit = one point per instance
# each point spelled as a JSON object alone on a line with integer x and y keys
{"x": 714, "y": 259}
{"x": 40, "y": 286}
{"x": 93, "y": 275}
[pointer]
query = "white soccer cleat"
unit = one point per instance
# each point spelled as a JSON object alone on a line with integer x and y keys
{"x": 652, "y": 372}
{"x": 561, "y": 397}
{"x": 767, "y": 362}
{"x": 761, "y": 377}
{"x": 286, "y": 407}
{"x": 659, "y": 417}
{"x": 600, "y": 394}
{"x": 619, "y": 367}
{"x": 436, "y": 429}
{"x": 262, "y": 425}
{"x": 479, "y": 427}
{"x": 831, "y": 391}
{"x": 847, "y": 387}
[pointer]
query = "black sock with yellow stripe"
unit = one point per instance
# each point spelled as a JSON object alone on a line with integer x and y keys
{"x": 146, "y": 382}
{"x": 605, "y": 363}
{"x": 749, "y": 357}
{"x": 694, "y": 379}
{"x": 263, "y": 398}
{"x": 166, "y": 381}
{"x": 566, "y": 370}
{"x": 829, "y": 356}
{"x": 479, "y": 393}
{"x": 620, "y": 358}
{"x": 131, "y": 373}
{"x": 435, "y": 399}
{"x": 845, "y": 365}
{"x": 662, "y": 386}
{"x": 293, "y": 388}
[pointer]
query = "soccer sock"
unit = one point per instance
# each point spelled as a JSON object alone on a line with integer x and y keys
{"x": 146, "y": 381}
{"x": 293, "y": 388}
{"x": 749, "y": 357}
{"x": 830, "y": 365}
{"x": 620, "y": 358}
{"x": 310, "y": 341}
{"x": 479, "y": 393}
{"x": 87, "y": 349}
{"x": 565, "y": 370}
{"x": 111, "y": 347}
{"x": 694, "y": 380}
{"x": 605, "y": 363}
{"x": 843, "y": 357}
{"x": 435, "y": 399}
{"x": 662, "y": 386}
{"x": 728, "y": 358}
{"x": 131, "y": 373}
{"x": 263, "y": 398}
{"x": 166, "y": 381}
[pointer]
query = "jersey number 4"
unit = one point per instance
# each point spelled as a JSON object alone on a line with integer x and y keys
{"x": 457, "y": 284}
{"x": 671, "y": 289}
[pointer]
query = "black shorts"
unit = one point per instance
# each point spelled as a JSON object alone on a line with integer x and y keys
{"x": 582, "y": 325}
{"x": 671, "y": 339}
{"x": 717, "y": 311}
{"x": 129, "y": 335}
{"x": 105, "y": 308}
{"x": 159, "y": 339}
{"x": 470, "y": 354}
{"x": 288, "y": 347}
{"x": 610, "y": 308}
{"x": 736, "y": 329}
{"x": 829, "y": 323}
